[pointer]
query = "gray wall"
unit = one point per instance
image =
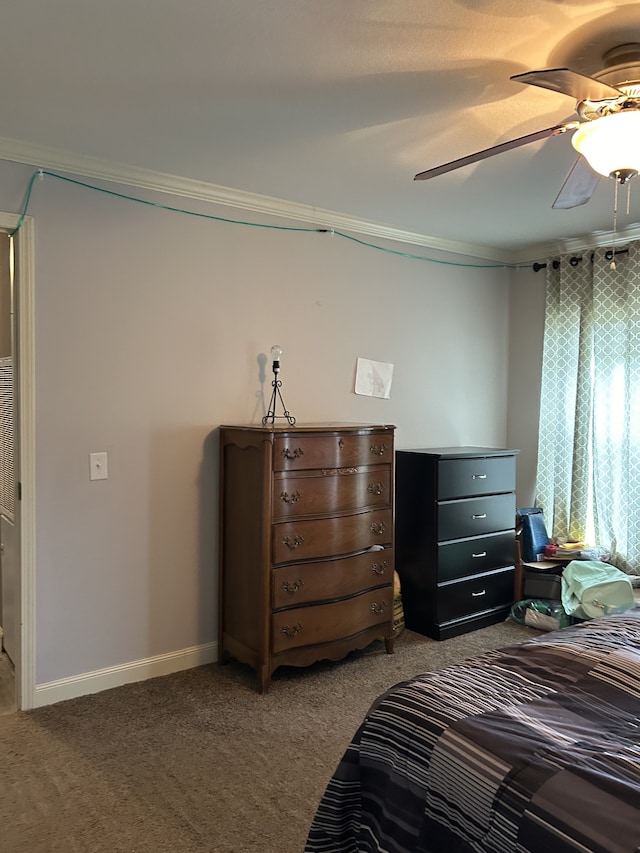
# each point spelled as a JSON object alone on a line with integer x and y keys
{"x": 149, "y": 326}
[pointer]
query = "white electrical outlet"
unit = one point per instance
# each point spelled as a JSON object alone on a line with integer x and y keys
{"x": 98, "y": 466}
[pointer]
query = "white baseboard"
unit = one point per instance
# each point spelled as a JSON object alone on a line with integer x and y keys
{"x": 115, "y": 676}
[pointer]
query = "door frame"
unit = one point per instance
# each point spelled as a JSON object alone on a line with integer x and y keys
{"x": 25, "y": 388}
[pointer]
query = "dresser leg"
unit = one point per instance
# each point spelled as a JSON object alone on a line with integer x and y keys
{"x": 388, "y": 644}
{"x": 264, "y": 675}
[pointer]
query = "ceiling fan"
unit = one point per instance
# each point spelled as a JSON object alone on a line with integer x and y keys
{"x": 608, "y": 137}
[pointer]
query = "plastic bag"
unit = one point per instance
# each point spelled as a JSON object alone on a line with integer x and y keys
{"x": 544, "y": 614}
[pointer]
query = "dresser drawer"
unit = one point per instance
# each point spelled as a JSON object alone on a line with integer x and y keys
{"x": 459, "y": 478}
{"x": 324, "y": 537}
{"x": 303, "y": 583}
{"x": 460, "y": 558}
{"x": 471, "y": 595}
{"x": 299, "y": 451}
{"x": 330, "y": 490}
{"x": 325, "y": 623}
{"x": 476, "y": 516}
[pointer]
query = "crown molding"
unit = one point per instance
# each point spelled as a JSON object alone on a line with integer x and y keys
{"x": 595, "y": 240}
{"x": 43, "y": 157}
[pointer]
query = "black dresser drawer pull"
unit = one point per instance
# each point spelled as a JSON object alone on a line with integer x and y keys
{"x": 292, "y": 544}
{"x": 378, "y": 449}
{"x": 479, "y": 515}
{"x": 378, "y": 608}
{"x": 292, "y": 631}
{"x": 478, "y": 476}
{"x": 293, "y": 454}
{"x": 377, "y": 527}
{"x": 481, "y": 554}
{"x": 379, "y": 568}
{"x": 478, "y": 594}
{"x": 375, "y": 488}
{"x": 292, "y": 587}
{"x": 292, "y": 498}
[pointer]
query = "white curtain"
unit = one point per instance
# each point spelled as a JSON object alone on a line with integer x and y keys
{"x": 588, "y": 479}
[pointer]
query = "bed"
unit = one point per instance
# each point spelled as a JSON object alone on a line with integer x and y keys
{"x": 534, "y": 748}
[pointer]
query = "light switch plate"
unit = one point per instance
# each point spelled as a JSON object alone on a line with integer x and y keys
{"x": 98, "y": 466}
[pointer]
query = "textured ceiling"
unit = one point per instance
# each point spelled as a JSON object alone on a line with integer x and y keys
{"x": 330, "y": 103}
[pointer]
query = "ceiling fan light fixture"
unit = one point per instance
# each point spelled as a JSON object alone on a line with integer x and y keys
{"x": 611, "y": 144}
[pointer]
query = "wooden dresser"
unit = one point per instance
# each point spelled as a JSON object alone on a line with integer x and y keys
{"x": 455, "y": 537}
{"x": 306, "y": 543}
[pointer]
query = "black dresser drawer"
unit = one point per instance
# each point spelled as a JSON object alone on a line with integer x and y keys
{"x": 464, "y": 557}
{"x": 476, "y": 516}
{"x": 460, "y": 598}
{"x": 461, "y": 478}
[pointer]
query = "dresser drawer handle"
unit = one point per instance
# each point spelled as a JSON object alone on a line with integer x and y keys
{"x": 375, "y": 488}
{"x": 378, "y": 608}
{"x": 479, "y": 515}
{"x": 380, "y": 568}
{"x": 378, "y": 449}
{"x": 478, "y": 594}
{"x": 292, "y": 544}
{"x": 292, "y": 498}
{"x": 480, "y": 554}
{"x": 292, "y": 631}
{"x": 293, "y": 454}
{"x": 292, "y": 588}
{"x": 478, "y": 476}
{"x": 378, "y": 527}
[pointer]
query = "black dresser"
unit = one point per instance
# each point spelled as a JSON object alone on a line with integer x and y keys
{"x": 455, "y": 537}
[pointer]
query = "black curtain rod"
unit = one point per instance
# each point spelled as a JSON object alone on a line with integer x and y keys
{"x": 575, "y": 260}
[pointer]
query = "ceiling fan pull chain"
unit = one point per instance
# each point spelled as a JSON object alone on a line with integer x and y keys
{"x": 612, "y": 265}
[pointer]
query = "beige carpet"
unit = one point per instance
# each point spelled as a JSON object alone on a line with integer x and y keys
{"x": 199, "y": 761}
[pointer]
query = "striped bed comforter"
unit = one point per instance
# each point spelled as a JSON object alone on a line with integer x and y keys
{"x": 534, "y": 748}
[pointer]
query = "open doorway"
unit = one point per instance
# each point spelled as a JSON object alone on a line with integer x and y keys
{"x": 9, "y": 565}
{"x": 17, "y": 464}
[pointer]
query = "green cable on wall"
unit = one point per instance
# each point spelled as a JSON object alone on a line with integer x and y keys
{"x": 40, "y": 173}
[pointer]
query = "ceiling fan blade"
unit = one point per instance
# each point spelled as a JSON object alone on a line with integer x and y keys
{"x": 569, "y": 82}
{"x": 578, "y": 187}
{"x": 496, "y": 149}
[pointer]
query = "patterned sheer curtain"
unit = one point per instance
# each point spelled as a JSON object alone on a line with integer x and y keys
{"x": 588, "y": 478}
